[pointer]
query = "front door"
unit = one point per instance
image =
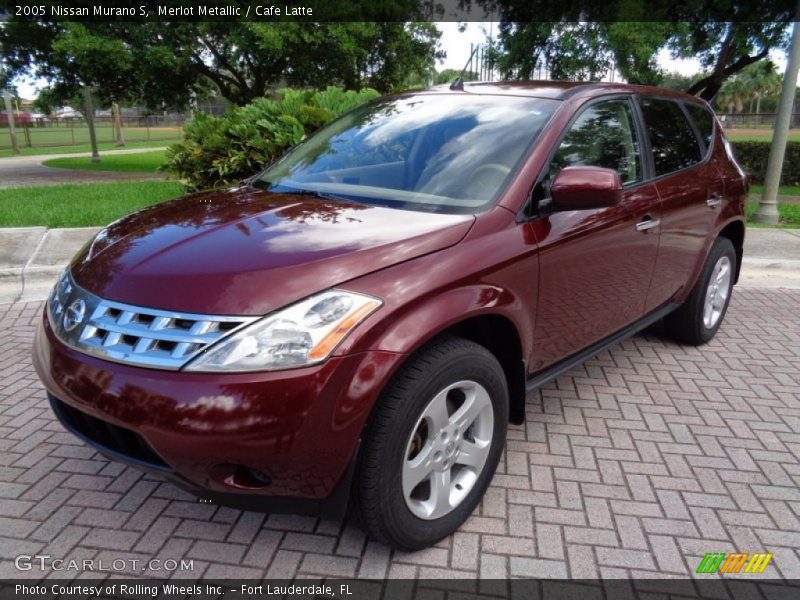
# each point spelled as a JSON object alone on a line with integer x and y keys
{"x": 595, "y": 265}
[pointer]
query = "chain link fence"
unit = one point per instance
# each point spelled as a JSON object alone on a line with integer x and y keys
{"x": 69, "y": 127}
{"x": 754, "y": 120}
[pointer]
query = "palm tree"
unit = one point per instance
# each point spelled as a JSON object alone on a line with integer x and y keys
{"x": 733, "y": 94}
{"x": 760, "y": 79}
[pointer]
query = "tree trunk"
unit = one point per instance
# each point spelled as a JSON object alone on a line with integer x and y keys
{"x": 12, "y": 132}
{"x": 708, "y": 87}
{"x": 87, "y": 98}
{"x": 119, "y": 139}
{"x": 758, "y": 109}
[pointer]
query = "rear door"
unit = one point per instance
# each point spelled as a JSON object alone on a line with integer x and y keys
{"x": 690, "y": 191}
{"x": 596, "y": 264}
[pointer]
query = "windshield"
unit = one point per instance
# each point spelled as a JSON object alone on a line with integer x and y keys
{"x": 436, "y": 152}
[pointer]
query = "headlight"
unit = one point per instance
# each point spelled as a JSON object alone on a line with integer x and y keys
{"x": 299, "y": 335}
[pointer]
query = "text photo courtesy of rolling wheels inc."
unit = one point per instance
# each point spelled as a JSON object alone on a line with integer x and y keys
{"x": 400, "y": 300}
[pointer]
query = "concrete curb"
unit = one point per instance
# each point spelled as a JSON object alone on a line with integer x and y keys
{"x": 31, "y": 259}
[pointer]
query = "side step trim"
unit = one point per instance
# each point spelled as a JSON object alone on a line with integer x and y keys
{"x": 542, "y": 377}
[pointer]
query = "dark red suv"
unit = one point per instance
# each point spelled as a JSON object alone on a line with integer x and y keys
{"x": 358, "y": 323}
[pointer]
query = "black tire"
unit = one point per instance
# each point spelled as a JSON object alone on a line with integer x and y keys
{"x": 378, "y": 496}
{"x": 686, "y": 325}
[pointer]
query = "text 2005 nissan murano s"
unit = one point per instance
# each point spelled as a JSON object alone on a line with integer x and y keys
{"x": 357, "y": 325}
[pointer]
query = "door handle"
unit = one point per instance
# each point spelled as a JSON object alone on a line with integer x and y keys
{"x": 714, "y": 201}
{"x": 647, "y": 224}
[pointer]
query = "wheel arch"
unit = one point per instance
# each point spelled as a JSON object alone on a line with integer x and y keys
{"x": 462, "y": 314}
{"x": 734, "y": 231}
{"x": 498, "y": 334}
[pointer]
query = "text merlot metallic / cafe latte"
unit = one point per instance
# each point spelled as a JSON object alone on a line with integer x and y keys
{"x": 142, "y": 11}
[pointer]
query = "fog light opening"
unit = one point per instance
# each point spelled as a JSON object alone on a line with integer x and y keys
{"x": 247, "y": 478}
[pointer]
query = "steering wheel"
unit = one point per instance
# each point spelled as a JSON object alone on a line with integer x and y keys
{"x": 501, "y": 170}
{"x": 485, "y": 180}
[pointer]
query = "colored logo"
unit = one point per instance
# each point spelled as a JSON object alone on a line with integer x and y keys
{"x": 722, "y": 562}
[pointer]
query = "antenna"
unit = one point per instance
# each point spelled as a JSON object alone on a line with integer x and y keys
{"x": 458, "y": 82}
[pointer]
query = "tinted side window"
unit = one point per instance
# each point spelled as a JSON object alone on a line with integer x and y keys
{"x": 673, "y": 141}
{"x": 704, "y": 121}
{"x": 604, "y": 135}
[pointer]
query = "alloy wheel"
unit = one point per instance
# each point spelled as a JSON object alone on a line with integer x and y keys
{"x": 447, "y": 449}
{"x": 719, "y": 288}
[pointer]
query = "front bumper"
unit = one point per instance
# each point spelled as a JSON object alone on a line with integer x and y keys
{"x": 297, "y": 429}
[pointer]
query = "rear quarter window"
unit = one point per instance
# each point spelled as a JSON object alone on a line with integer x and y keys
{"x": 703, "y": 120}
{"x": 672, "y": 139}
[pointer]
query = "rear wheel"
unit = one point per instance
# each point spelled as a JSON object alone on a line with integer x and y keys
{"x": 700, "y": 317}
{"x": 433, "y": 444}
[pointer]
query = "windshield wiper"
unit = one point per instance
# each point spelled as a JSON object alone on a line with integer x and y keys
{"x": 262, "y": 184}
{"x": 318, "y": 194}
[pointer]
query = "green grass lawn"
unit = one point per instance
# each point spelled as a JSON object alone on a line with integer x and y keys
{"x": 80, "y": 205}
{"x": 144, "y": 162}
{"x": 784, "y": 190}
{"x": 102, "y": 147}
{"x": 758, "y": 135}
{"x": 789, "y": 214}
{"x": 97, "y": 204}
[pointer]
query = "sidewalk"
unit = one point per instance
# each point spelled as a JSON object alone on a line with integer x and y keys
{"x": 32, "y": 257}
{"x": 18, "y": 171}
{"x": 771, "y": 258}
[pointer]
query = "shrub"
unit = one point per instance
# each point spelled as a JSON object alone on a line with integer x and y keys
{"x": 753, "y": 157}
{"x": 220, "y": 151}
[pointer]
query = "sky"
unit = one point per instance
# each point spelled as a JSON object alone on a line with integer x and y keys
{"x": 456, "y": 45}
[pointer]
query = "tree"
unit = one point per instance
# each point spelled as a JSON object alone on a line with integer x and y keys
{"x": 750, "y": 86}
{"x": 47, "y": 102}
{"x": 761, "y": 79}
{"x": 449, "y": 76}
{"x": 523, "y": 48}
{"x": 434, "y": 77}
{"x": 72, "y": 55}
{"x": 635, "y": 45}
{"x": 569, "y": 50}
{"x": 163, "y": 63}
{"x": 725, "y": 35}
{"x": 726, "y": 48}
{"x": 578, "y": 52}
{"x": 733, "y": 94}
{"x": 677, "y": 81}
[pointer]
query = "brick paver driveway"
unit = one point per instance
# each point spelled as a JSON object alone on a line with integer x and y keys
{"x": 635, "y": 464}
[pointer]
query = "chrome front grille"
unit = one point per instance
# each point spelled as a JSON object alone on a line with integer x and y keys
{"x": 133, "y": 335}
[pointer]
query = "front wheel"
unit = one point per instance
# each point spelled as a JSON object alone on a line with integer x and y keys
{"x": 699, "y": 318}
{"x": 432, "y": 445}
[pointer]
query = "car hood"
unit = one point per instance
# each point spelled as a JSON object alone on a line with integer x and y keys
{"x": 246, "y": 251}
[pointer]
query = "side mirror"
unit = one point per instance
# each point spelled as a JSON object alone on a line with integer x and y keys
{"x": 579, "y": 188}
